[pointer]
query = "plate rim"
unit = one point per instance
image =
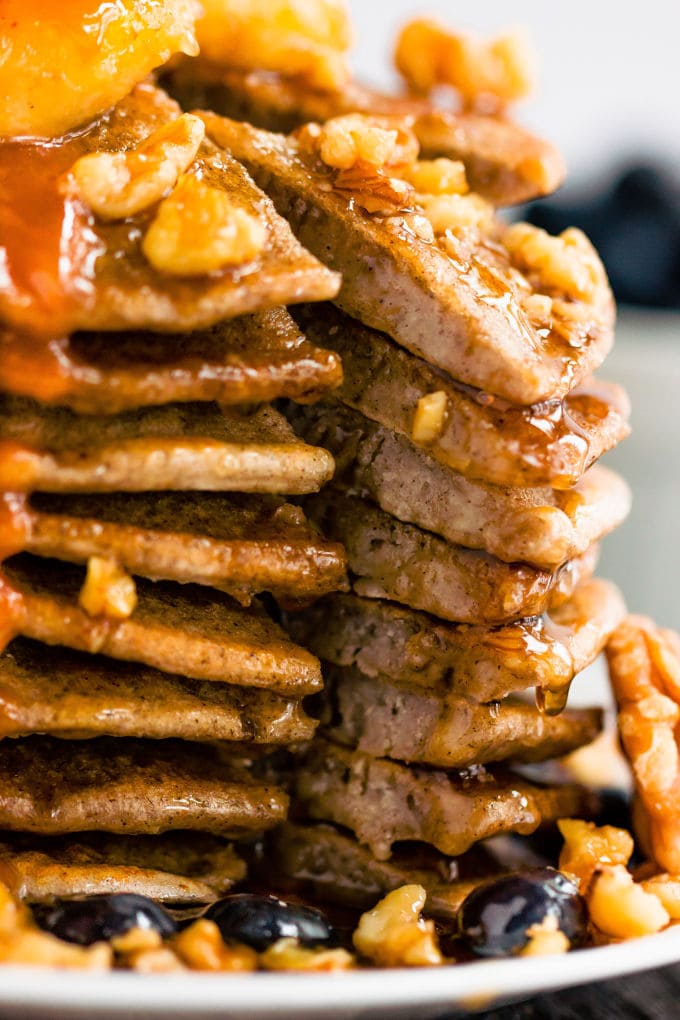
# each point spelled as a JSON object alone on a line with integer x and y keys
{"x": 469, "y": 986}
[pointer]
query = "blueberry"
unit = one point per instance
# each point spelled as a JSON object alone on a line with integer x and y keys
{"x": 494, "y": 919}
{"x": 100, "y": 918}
{"x": 259, "y": 921}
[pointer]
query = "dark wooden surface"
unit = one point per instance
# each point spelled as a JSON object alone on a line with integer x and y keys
{"x": 654, "y": 995}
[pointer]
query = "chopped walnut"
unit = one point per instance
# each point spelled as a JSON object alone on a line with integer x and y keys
{"x": 622, "y": 909}
{"x": 538, "y": 307}
{"x": 136, "y": 940}
{"x": 198, "y": 230}
{"x": 342, "y": 142}
{"x": 567, "y": 264}
{"x": 108, "y": 590}
{"x": 300, "y": 38}
{"x": 497, "y": 71}
{"x": 288, "y": 954}
{"x": 666, "y": 888}
{"x": 545, "y": 939}
{"x": 438, "y": 177}
{"x": 394, "y": 934}
{"x": 156, "y": 961}
{"x": 644, "y": 666}
{"x": 430, "y": 418}
{"x": 588, "y": 848}
{"x": 201, "y": 947}
{"x": 373, "y": 190}
{"x": 119, "y": 184}
{"x": 38, "y": 948}
{"x": 456, "y": 212}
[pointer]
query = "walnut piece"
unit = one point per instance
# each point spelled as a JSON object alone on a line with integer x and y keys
{"x": 199, "y": 230}
{"x": 119, "y": 184}
{"x": 622, "y": 909}
{"x": 545, "y": 939}
{"x": 429, "y": 418}
{"x": 497, "y": 71}
{"x": 394, "y": 934}
{"x": 201, "y": 947}
{"x": 588, "y": 848}
{"x": 438, "y": 176}
{"x": 302, "y": 38}
{"x": 288, "y": 954}
{"x": 644, "y": 666}
{"x": 342, "y": 142}
{"x": 456, "y": 212}
{"x": 108, "y": 590}
{"x": 567, "y": 264}
{"x": 373, "y": 190}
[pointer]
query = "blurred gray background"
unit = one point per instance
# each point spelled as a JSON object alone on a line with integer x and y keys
{"x": 609, "y": 91}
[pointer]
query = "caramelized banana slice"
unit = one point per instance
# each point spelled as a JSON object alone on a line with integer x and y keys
{"x": 62, "y": 64}
{"x": 644, "y": 664}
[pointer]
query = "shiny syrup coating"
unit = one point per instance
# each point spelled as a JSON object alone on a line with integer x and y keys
{"x": 495, "y": 918}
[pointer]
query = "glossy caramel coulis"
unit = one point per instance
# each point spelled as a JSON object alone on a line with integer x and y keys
{"x": 47, "y": 245}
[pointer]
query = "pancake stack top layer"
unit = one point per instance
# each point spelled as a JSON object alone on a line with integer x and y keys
{"x": 466, "y": 434}
{"x": 145, "y": 482}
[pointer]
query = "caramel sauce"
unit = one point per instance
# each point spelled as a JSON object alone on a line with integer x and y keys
{"x": 47, "y": 244}
{"x": 34, "y": 366}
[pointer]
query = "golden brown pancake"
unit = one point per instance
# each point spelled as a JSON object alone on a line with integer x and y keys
{"x": 189, "y": 630}
{"x": 242, "y": 545}
{"x": 503, "y": 161}
{"x": 178, "y": 868}
{"x": 176, "y": 446}
{"x": 393, "y": 560}
{"x": 390, "y": 720}
{"x": 481, "y": 437}
{"x": 383, "y": 802}
{"x": 479, "y": 663}
{"x": 76, "y": 696}
{"x": 460, "y": 313}
{"x": 131, "y": 787}
{"x": 544, "y": 527}
{"x": 246, "y": 360}
{"x": 66, "y": 270}
{"x": 321, "y": 861}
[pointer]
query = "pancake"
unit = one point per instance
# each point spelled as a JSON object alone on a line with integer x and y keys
{"x": 401, "y": 562}
{"x": 544, "y": 527}
{"x": 94, "y": 275}
{"x": 192, "y": 631}
{"x": 76, "y": 696}
{"x": 182, "y": 868}
{"x": 242, "y": 545}
{"x": 246, "y": 360}
{"x": 130, "y": 787}
{"x": 479, "y": 663}
{"x": 177, "y": 446}
{"x": 389, "y": 720}
{"x": 503, "y": 162}
{"x": 327, "y": 864}
{"x": 383, "y": 802}
{"x": 460, "y": 310}
{"x": 487, "y": 439}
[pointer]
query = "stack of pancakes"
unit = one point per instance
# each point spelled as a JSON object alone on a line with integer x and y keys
{"x": 467, "y": 495}
{"x": 145, "y": 480}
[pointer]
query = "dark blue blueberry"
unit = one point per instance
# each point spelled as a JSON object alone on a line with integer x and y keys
{"x": 100, "y": 918}
{"x": 259, "y": 921}
{"x": 494, "y": 919}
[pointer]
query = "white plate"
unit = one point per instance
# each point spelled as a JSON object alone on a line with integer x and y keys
{"x": 32, "y": 994}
